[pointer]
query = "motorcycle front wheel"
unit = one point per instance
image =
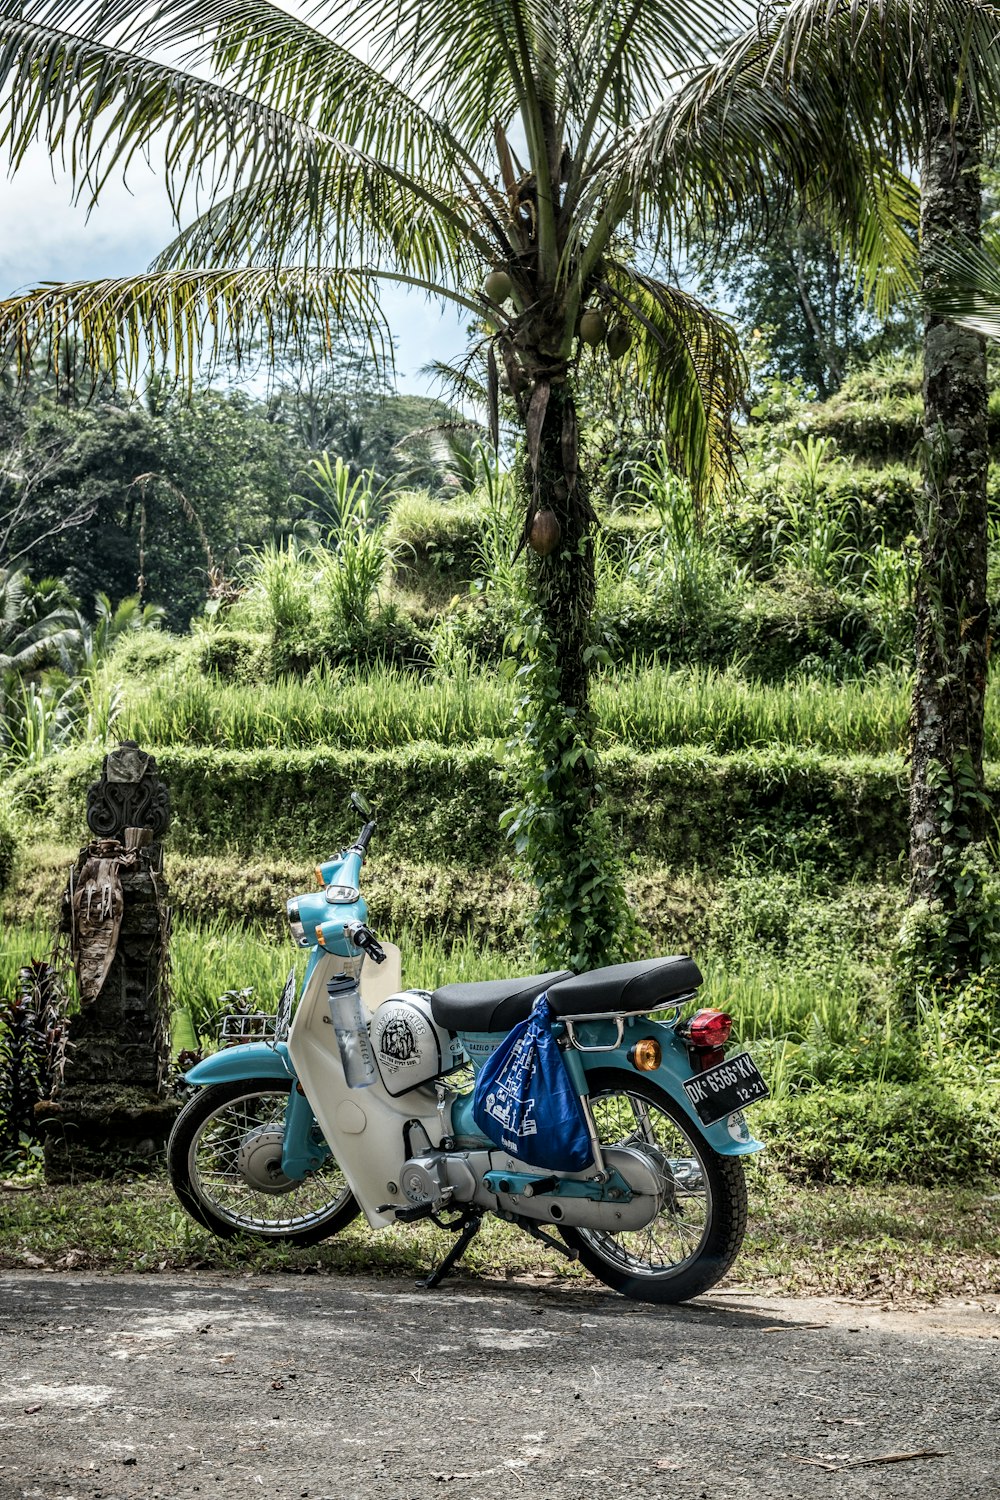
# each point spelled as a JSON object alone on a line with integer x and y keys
{"x": 224, "y": 1158}
{"x": 697, "y": 1233}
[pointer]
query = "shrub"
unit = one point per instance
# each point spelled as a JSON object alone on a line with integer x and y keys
{"x": 242, "y": 656}
{"x": 924, "y": 1133}
{"x": 683, "y": 807}
{"x": 435, "y": 536}
{"x": 142, "y": 654}
{"x": 8, "y": 848}
{"x": 774, "y": 632}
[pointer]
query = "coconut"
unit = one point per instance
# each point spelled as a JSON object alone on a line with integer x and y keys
{"x": 619, "y": 340}
{"x": 497, "y": 286}
{"x": 593, "y": 326}
{"x": 545, "y": 532}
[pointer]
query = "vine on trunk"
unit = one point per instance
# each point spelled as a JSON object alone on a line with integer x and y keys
{"x": 560, "y": 829}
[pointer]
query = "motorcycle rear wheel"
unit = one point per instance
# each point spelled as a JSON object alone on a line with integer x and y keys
{"x": 696, "y": 1236}
{"x": 224, "y": 1159}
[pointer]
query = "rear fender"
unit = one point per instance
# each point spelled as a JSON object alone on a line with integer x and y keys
{"x": 729, "y": 1137}
{"x": 248, "y": 1060}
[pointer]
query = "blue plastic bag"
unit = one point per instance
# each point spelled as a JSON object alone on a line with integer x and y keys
{"x": 525, "y": 1102}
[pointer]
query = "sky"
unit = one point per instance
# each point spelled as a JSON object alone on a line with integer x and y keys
{"x": 45, "y": 237}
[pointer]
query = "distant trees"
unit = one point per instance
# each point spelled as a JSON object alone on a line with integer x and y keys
{"x": 797, "y": 287}
{"x": 117, "y": 495}
{"x": 122, "y": 499}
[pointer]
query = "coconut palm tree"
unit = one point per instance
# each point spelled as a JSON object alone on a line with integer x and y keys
{"x": 920, "y": 80}
{"x": 534, "y": 162}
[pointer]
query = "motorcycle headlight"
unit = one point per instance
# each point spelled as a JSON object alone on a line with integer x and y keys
{"x": 295, "y": 922}
{"x": 342, "y": 895}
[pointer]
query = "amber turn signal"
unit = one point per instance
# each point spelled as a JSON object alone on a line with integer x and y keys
{"x": 646, "y": 1055}
{"x": 320, "y": 938}
{"x": 319, "y": 877}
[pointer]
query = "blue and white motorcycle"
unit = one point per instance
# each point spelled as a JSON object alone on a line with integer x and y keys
{"x": 361, "y": 1101}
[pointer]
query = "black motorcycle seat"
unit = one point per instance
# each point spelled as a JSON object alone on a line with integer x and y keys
{"x": 647, "y": 985}
{"x": 491, "y": 1004}
{"x": 498, "y": 1004}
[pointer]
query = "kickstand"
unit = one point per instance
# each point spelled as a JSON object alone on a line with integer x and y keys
{"x": 470, "y": 1228}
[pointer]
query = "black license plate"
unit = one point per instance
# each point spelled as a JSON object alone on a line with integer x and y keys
{"x": 725, "y": 1088}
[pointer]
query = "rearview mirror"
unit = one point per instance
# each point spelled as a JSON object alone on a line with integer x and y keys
{"x": 361, "y": 805}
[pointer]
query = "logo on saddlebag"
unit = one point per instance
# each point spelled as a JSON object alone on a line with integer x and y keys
{"x": 397, "y": 1041}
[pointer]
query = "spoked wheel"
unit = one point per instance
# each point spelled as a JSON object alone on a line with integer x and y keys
{"x": 224, "y": 1157}
{"x": 696, "y": 1234}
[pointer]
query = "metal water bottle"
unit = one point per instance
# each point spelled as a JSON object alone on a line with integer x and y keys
{"x": 348, "y": 1017}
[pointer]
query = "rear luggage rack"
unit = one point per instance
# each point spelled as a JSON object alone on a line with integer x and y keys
{"x": 619, "y": 1017}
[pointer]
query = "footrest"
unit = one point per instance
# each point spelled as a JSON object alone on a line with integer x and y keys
{"x": 414, "y": 1212}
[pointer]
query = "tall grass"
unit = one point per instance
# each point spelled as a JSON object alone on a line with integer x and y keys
{"x": 767, "y": 1001}
{"x": 18, "y": 946}
{"x": 647, "y": 708}
{"x": 805, "y": 1028}
{"x": 206, "y": 961}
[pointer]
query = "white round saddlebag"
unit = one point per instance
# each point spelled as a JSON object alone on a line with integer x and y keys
{"x": 409, "y": 1046}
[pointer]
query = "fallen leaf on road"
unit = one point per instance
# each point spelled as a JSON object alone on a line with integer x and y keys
{"x": 830, "y": 1461}
{"x": 817, "y": 1463}
{"x": 899, "y": 1458}
{"x": 790, "y": 1327}
{"x": 668, "y": 1463}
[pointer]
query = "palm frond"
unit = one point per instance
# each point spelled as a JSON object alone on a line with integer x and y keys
{"x": 814, "y": 77}
{"x": 686, "y": 360}
{"x": 963, "y": 284}
{"x": 342, "y": 208}
{"x": 181, "y": 320}
{"x": 99, "y": 106}
{"x": 892, "y": 63}
{"x": 626, "y": 55}
{"x": 739, "y": 148}
{"x": 259, "y": 50}
{"x": 299, "y": 194}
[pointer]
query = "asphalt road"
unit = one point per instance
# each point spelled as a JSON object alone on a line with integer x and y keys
{"x": 157, "y": 1386}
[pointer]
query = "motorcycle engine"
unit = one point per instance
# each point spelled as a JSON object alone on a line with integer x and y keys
{"x": 436, "y": 1178}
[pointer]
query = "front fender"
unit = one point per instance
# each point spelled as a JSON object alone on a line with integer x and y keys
{"x": 248, "y": 1060}
{"x": 676, "y": 1065}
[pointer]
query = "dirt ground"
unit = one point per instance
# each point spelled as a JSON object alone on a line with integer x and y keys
{"x": 300, "y": 1388}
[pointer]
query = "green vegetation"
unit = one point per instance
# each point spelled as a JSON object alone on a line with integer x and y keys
{"x": 647, "y": 708}
{"x": 900, "y": 1244}
{"x": 760, "y": 818}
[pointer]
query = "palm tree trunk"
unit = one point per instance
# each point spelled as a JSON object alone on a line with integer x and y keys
{"x": 564, "y": 581}
{"x": 582, "y": 918}
{"x": 947, "y": 802}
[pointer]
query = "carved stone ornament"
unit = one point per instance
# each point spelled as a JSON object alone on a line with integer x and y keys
{"x": 129, "y": 794}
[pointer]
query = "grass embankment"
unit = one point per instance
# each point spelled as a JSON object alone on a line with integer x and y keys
{"x": 895, "y": 1244}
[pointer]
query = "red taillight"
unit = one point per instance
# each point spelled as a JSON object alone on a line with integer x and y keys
{"x": 708, "y": 1028}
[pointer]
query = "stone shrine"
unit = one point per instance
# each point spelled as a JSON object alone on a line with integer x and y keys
{"x": 113, "y": 1108}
